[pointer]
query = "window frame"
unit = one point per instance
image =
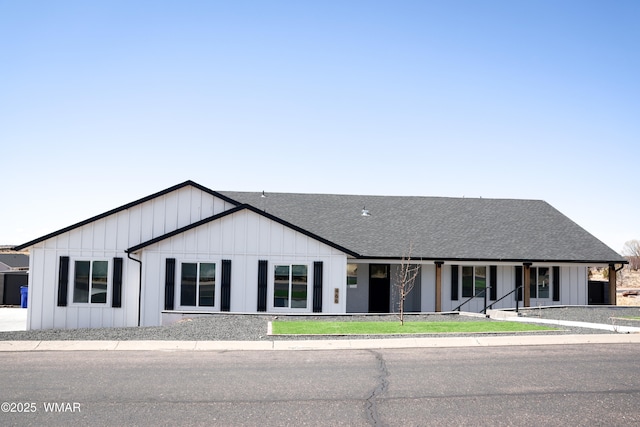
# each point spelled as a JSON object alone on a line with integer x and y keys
{"x": 272, "y": 288}
{"x": 474, "y": 280}
{"x": 73, "y": 265}
{"x": 534, "y": 273}
{"x": 216, "y": 285}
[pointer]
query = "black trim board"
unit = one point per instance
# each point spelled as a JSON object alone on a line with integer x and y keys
{"x": 125, "y": 207}
{"x": 232, "y": 211}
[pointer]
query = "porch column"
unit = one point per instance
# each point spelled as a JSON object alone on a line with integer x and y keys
{"x": 439, "y": 286}
{"x": 612, "y": 284}
{"x": 527, "y": 284}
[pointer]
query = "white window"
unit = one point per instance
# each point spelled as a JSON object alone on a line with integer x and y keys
{"x": 198, "y": 284}
{"x": 290, "y": 286}
{"x": 90, "y": 281}
{"x": 474, "y": 280}
{"x": 540, "y": 278}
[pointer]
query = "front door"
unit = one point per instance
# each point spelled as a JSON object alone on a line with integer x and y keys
{"x": 379, "y": 288}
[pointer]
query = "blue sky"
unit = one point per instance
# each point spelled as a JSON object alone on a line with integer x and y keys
{"x": 104, "y": 102}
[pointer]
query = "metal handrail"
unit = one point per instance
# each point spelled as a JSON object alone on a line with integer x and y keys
{"x": 490, "y": 306}
{"x": 482, "y": 292}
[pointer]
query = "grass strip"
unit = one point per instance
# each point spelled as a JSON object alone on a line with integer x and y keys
{"x": 312, "y": 327}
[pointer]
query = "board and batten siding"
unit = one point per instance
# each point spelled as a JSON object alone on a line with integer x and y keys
{"x": 573, "y": 288}
{"x": 244, "y": 238}
{"x": 105, "y": 239}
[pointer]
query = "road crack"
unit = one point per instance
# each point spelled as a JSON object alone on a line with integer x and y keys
{"x": 382, "y": 384}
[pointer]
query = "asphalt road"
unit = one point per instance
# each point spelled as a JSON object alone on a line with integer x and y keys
{"x": 543, "y": 385}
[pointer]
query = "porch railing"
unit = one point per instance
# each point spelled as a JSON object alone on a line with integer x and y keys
{"x": 490, "y": 306}
{"x": 483, "y": 293}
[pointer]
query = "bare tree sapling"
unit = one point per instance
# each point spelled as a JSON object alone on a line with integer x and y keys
{"x": 406, "y": 275}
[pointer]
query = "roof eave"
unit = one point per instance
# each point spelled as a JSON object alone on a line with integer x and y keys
{"x": 125, "y": 207}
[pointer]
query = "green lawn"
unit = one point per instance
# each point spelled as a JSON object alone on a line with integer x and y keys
{"x": 381, "y": 328}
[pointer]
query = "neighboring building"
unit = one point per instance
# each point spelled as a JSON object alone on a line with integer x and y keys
{"x": 13, "y": 262}
{"x": 189, "y": 248}
{"x": 13, "y": 275}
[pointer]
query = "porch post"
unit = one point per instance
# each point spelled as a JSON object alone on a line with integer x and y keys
{"x": 527, "y": 285}
{"x": 439, "y": 286}
{"x": 612, "y": 285}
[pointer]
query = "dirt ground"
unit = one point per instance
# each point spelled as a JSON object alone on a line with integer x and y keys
{"x": 627, "y": 279}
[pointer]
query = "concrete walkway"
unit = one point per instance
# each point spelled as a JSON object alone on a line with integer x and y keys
{"x": 13, "y": 319}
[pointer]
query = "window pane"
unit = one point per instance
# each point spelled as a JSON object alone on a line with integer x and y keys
{"x": 481, "y": 279}
{"x": 379, "y": 271}
{"x": 188, "y": 284}
{"x": 467, "y": 281}
{"x": 352, "y": 274}
{"x": 81, "y": 281}
{"x": 533, "y": 283}
{"x": 299, "y": 286}
{"x": 281, "y": 286}
{"x": 543, "y": 282}
{"x": 207, "y": 285}
{"x": 99, "y": 282}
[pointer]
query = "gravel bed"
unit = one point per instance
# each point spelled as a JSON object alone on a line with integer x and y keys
{"x": 253, "y": 327}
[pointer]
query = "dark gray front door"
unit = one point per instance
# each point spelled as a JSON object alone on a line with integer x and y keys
{"x": 379, "y": 288}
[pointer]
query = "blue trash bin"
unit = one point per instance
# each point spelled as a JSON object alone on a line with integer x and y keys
{"x": 24, "y": 294}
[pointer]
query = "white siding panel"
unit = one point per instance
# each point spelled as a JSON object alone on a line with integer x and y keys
{"x": 264, "y": 235}
{"x": 75, "y": 239}
{"x": 159, "y": 215}
{"x": 288, "y": 242}
{"x": 277, "y": 240}
{"x": 196, "y": 204}
{"x": 37, "y": 272}
{"x": 190, "y": 241}
{"x": 240, "y": 234}
{"x": 202, "y": 240}
{"x": 171, "y": 213}
{"x": 207, "y": 206}
{"x": 111, "y": 233}
{"x": 87, "y": 237}
{"x": 252, "y": 235}
{"x": 582, "y": 284}
{"x": 135, "y": 224}
{"x": 447, "y": 304}
{"x": 227, "y": 226}
{"x": 122, "y": 239}
{"x": 99, "y": 229}
{"x": 184, "y": 208}
{"x": 428, "y": 287}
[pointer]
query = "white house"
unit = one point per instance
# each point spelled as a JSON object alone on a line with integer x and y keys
{"x": 189, "y": 248}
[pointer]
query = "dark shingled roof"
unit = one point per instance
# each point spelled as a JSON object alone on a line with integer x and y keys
{"x": 14, "y": 260}
{"x": 440, "y": 228}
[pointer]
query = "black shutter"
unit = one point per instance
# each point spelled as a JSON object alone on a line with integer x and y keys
{"x": 493, "y": 280}
{"x": 556, "y": 283}
{"x": 225, "y": 288}
{"x": 518, "y": 293}
{"x": 454, "y": 282}
{"x": 169, "y": 283}
{"x": 63, "y": 281}
{"x": 116, "y": 296}
{"x": 317, "y": 287}
{"x": 262, "y": 285}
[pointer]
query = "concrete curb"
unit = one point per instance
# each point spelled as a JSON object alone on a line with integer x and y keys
{"x": 363, "y": 344}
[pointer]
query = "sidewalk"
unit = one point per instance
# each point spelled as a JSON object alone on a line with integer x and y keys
{"x": 392, "y": 343}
